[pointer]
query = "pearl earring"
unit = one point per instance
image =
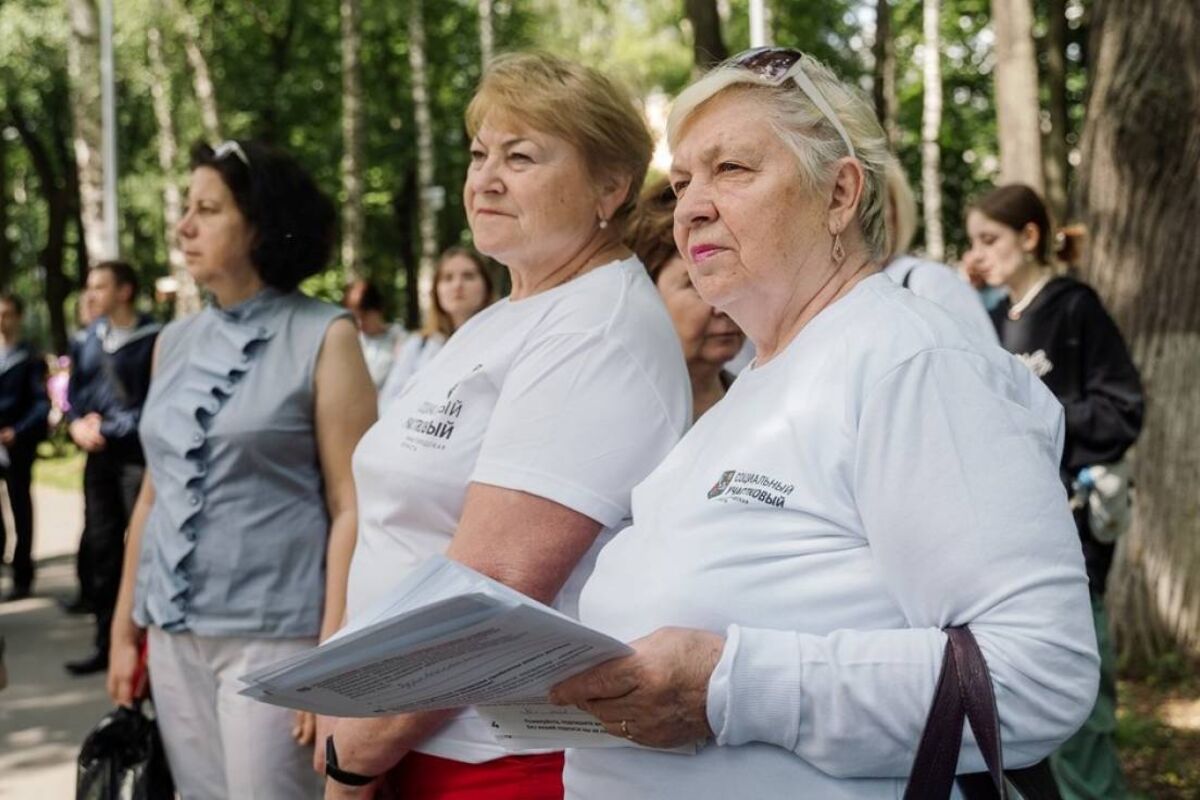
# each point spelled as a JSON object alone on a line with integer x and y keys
{"x": 603, "y": 223}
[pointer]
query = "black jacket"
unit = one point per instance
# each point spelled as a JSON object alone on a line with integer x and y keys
{"x": 24, "y": 404}
{"x": 113, "y": 385}
{"x": 1068, "y": 339}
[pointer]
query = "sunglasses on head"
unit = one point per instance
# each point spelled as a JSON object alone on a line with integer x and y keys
{"x": 777, "y": 64}
{"x": 230, "y": 147}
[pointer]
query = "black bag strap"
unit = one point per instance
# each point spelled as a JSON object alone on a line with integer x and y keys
{"x": 908, "y": 275}
{"x": 964, "y": 690}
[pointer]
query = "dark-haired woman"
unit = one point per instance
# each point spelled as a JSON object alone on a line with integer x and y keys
{"x": 462, "y": 287}
{"x": 241, "y": 538}
{"x": 379, "y": 338}
{"x": 1059, "y": 328}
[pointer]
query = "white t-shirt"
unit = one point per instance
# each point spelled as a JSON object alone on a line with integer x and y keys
{"x": 883, "y": 477}
{"x": 573, "y": 395}
{"x": 944, "y": 286}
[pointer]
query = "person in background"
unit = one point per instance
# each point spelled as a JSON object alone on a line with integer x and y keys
{"x": 515, "y": 449}
{"x": 792, "y": 563}
{"x": 24, "y": 407}
{"x": 1059, "y": 328}
{"x": 85, "y": 315}
{"x": 110, "y": 377}
{"x": 929, "y": 279}
{"x": 709, "y": 337}
{"x": 239, "y": 546}
{"x": 462, "y": 287}
{"x": 380, "y": 339}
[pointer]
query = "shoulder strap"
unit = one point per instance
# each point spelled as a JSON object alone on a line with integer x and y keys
{"x": 908, "y": 275}
{"x": 964, "y": 690}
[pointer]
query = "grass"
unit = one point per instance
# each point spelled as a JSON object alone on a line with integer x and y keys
{"x": 59, "y": 466}
{"x": 1158, "y": 734}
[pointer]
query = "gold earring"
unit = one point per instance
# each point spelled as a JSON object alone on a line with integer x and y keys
{"x": 839, "y": 252}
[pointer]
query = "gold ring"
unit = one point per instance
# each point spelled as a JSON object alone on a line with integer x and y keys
{"x": 625, "y": 730}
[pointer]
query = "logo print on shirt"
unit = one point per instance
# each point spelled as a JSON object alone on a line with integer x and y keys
{"x": 722, "y": 484}
{"x": 746, "y": 487}
{"x": 1038, "y": 362}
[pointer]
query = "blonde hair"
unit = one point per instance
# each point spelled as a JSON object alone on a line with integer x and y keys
{"x": 805, "y": 129}
{"x": 575, "y": 103}
{"x": 904, "y": 203}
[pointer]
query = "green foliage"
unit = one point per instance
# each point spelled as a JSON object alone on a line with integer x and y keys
{"x": 276, "y": 67}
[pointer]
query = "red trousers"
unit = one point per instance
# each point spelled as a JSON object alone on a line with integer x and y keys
{"x": 422, "y": 777}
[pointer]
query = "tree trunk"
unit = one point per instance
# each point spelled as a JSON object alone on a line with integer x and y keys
{"x": 487, "y": 44}
{"x": 1055, "y": 164}
{"x": 1140, "y": 194}
{"x": 426, "y": 192}
{"x": 708, "y": 48}
{"x": 884, "y": 83}
{"x": 931, "y": 125}
{"x": 202, "y": 85}
{"x": 83, "y": 65}
{"x": 1017, "y": 125}
{"x": 187, "y": 295}
{"x": 58, "y": 213}
{"x": 352, "y": 144}
{"x": 6, "y": 252}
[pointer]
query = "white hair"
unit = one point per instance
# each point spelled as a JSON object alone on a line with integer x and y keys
{"x": 813, "y": 139}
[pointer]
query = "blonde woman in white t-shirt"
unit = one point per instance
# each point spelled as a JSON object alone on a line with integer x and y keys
{"x": 878, "y": 474}
{"x": 515, "y": 449}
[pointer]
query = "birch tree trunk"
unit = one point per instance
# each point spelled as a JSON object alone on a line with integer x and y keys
{"x": 884, "y": 83}
{"x": 931, "y": 125}
{"x": 1055, "y": 166}
{"x": 83, "y": 68}
{"x": 206, "y": 95}
{"x": 1140, "y": 194}
{"x": 352, "y": 140}
{"x": 487, "y": 44}
{"x": 426, "y": 211}
{"x": 187, "y": 295}
{"x": 1017, "y": 124}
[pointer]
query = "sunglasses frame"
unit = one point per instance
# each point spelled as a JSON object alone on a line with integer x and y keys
{"x": 777, "y": 64}
{"x": 230, "y": 147}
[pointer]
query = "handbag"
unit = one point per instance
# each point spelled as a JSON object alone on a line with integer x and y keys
{"x": 964, "y": 691}
{"x": 123, "y": 756}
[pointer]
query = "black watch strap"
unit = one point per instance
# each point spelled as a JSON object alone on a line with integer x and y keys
{"x": 332, "y": 770}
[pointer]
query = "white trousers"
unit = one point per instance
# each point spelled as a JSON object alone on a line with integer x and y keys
{"x": 222, "y": 746}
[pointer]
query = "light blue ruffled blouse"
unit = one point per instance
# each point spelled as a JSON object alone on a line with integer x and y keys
{"x": 235, "y": 542}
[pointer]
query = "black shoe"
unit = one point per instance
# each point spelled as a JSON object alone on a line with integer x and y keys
{"x": 96, "y": 662}
{"x": 18, "y": 593}
{"x": 76, "y": 606}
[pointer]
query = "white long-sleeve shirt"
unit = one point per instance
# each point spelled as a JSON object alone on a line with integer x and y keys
{"x": 887, "y": 475}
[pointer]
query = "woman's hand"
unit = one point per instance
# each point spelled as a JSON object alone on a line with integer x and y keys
{"x": 658, "y": 696}
{"x": 124, "y": 668}
{"x": 304, "y": 727}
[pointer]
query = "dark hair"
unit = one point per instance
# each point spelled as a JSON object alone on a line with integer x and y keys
{"x": 123, "y": 274}
{"x": 651, "y": 227}
{"x": 293, "y": 221}
{"x": 14, "y": 301}
{"x": 1017, "y": 205}
{"x": 438, "y": 320}
{"x": 369, "y": 297}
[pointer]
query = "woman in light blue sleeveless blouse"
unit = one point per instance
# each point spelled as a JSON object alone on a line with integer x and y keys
{"x": 241, "y": 538}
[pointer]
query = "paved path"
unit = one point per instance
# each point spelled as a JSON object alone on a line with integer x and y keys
{"x": 45, "y": 713}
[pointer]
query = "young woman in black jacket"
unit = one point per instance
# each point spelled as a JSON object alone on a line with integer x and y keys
{"x": 1060, "y": 329}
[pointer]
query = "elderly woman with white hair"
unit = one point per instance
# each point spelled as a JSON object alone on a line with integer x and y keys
{"x": 925, "y": 278}
{"x": 793, "y": 562}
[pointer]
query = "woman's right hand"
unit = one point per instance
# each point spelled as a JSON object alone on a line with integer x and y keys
{"x": 124, "y": 669}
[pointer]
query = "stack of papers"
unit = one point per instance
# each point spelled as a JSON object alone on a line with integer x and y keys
{"x": 448, "y": 637}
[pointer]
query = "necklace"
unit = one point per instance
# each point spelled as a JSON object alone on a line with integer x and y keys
{"x": 1015, "y": 312}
